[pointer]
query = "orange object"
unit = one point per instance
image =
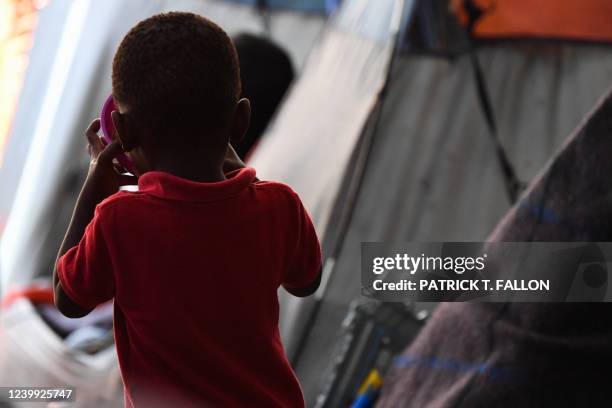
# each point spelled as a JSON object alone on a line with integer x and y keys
{"x": 18, "y": 19}
{"x": 35, "y": 295}
{"x": 582, "y": 20}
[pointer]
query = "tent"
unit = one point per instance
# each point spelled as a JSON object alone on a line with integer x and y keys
{"x": 410, "y": 156}
{"x": 67, "y": 80}
{"x": 511, "y": 354}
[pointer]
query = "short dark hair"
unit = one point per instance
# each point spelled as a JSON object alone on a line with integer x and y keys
{"x": 266, "y": 72}
{"x": 178, "y": 73}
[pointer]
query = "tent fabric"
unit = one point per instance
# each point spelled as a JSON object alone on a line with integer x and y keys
{"x": 33, "y": 355}
{"x": 582, "y": 20}
{"x": 526, "y": 354}
{"x": 432, "y": 174}
{"x": 313, "y": 136}
{"x": 317, "y": 6}
{"x": 326, "y": 120}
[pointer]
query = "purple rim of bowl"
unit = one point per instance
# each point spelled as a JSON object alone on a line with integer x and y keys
{"x": 106, "y": 124}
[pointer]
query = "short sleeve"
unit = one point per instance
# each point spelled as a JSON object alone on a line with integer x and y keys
{"x": 305, "y": 260}
{"x": 85, "y": 271}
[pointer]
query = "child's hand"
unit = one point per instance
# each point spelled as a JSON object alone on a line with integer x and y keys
{"x": 103, "y": 179}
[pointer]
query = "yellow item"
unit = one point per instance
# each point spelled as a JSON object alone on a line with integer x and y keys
{"x": 373, "y": 379}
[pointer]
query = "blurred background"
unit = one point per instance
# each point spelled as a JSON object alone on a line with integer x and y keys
{"x": 395, "y": 120}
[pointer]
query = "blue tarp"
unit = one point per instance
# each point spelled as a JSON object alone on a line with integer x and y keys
{"x": 315, "y": 6}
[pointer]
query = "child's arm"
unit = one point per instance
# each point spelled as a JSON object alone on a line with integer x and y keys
{"x": 303, "y": 276}
{"x": 306, "y": 290}
{"x": 102, "y": 181}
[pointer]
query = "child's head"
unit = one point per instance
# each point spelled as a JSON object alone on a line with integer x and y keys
{"x": 176, "y": 82}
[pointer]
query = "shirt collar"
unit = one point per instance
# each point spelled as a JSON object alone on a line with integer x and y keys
{"x": 168, "y": 186}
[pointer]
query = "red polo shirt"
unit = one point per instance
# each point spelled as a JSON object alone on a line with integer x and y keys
{"x": 194, "y": 270}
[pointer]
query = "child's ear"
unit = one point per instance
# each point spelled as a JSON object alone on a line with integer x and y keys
{"x": 127, "y": 138}
{"x": 241, "y": 120}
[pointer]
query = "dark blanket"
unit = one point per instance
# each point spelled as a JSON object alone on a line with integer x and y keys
{"x": 526, "y": 354}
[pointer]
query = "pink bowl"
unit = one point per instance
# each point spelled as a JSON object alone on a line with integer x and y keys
{"x": 108, "y": 130}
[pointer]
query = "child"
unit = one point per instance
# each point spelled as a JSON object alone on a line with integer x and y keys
{"x": 193, "y": 260}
